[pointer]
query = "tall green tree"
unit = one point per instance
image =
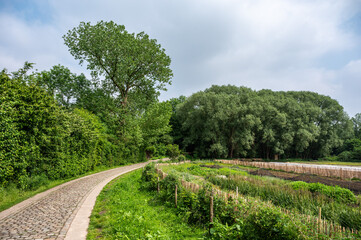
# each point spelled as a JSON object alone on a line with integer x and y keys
{"x": 134, "y": 66}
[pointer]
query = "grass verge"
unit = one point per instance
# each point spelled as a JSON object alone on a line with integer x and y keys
{"x": 123, "y": 211}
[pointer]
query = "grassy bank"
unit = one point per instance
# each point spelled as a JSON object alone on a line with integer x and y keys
{"x": 123, "y": 211}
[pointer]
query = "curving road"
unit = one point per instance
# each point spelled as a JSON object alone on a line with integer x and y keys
{"x": 59, "y": 213}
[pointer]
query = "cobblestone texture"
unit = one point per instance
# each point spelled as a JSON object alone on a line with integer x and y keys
{"x": 51, "y": 216}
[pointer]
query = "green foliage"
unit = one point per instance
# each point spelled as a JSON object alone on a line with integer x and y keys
{"x": 351, "y": 150}
{"x": 174, "y": 121}
{"x": 27, "y": 116}
{"x": 335, "y": 192}
{"x": 149, "y": 178}
{"x": 357, "y": 125}
{"x": 173, "y": 151}
{"x": 134, "y": 66}
{"x": 266, "y": 223}
{"x": 154, "y": 125}
{"x": 124, "y": 211}
{"x": 181, "y": 158}
{"x": 67, "y": 88}
{"x": 43, "y": 140}
{"x": 270, "y": 224}
{"x": 229, "y": 121}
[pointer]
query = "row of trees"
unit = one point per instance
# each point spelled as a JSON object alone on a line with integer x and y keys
{"x": 56, "y": 124}
{"x": 230, "y": 121}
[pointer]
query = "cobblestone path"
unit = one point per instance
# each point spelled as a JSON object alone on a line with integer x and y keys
{"x": 51, "y": 216}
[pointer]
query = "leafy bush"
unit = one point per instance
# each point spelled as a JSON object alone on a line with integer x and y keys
{"x": 267, "y": 223}
{"x": 345, "y": 156}
{"x": 335, "y": 192}
{"x": 149, "y": 178}
{"x": 173, "y": 151}
{"x": 33, "y": 182}
{"x": 356, "y": 154}
{"x": 181, "y": 158}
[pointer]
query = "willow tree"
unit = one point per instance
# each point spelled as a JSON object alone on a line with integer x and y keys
{"x": 134, "y": 66}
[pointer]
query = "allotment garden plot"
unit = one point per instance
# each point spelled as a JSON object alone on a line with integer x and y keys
{"x": 257, "y": 202}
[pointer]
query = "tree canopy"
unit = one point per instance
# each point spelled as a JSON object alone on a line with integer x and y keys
{"x": 230, "y": 121}
{"x": 134, "y": 66}
{"x": 67, "y": 87}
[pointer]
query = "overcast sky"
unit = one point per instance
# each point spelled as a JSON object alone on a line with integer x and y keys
{"x": 312, "y": 45}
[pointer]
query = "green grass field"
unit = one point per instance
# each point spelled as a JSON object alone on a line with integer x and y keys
{"x": 123, "y": 211}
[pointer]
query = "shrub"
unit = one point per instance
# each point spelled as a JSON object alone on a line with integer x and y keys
{"x": 345, "y": 156}
{"x": 181, "y": 158}
{"x": 149, "y": 178}
{"x": 267, "y": 223}
{"x": 334, "y": 192}
{"x": 173, "y": 151}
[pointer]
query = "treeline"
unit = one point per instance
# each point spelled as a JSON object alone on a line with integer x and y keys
{"x": 231, "y": 122}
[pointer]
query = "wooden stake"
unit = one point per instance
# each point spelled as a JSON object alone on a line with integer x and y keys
{"x": 319, "y": 220}
{"x": 176, "y": 195}
{"x": 158, "y": 188}
{"x": 211, "y": 209}
{"x": 236, "y": 194}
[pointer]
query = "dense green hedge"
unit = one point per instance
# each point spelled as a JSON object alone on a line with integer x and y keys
{"x": 40, "y": 138}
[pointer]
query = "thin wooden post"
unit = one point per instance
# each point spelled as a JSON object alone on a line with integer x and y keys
{"x": 236, "y": 194}
{"x": 319, "y": 220}
{"x": 158, "y": 187}
{"x": 176, "y": 195}
{"x": 211, "y": 209}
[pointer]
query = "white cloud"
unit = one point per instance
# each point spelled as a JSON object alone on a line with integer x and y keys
{"x": 278, "y": 44}
{"x": 349, "y": 93}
